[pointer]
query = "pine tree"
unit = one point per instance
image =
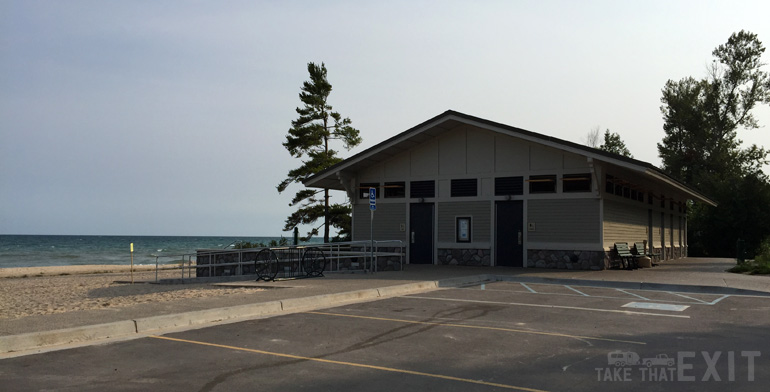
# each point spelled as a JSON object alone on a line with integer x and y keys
{"x": 702, "y": 118}
{"x": 614, "y": 144}
{"x": 308, "y": 139}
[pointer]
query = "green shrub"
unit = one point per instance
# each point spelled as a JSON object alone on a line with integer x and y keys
{"x": 763, "y": 253}
{"x": 761, "y": 263}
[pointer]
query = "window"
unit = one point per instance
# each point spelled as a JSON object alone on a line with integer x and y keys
{"x": 422, "y": 189}
{"x": 363, "y": 189}
{"x": 609, "y": 184}
{"x": 662, "y": 201}
{"x": 465, "y": 187}
{"x": 509, "y": 186}
{"x": 618, "y": 188}
{"x": 625, "y": 189}
{"x": 576, "y": 182}
{"x": 542, "y": 184}
{"x": 395, "y": 190}
{"x": 463, "y": 228}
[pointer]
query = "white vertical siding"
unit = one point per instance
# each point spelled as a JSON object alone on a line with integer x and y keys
{"x": 544, "y": 158}
{"x": 451, "y": 154}
{"x": 424, "y": 159}
{"x": 511, "y": 155}
{"x": 480, "y": 152}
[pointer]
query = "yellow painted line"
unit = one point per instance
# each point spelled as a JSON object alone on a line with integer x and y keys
{"x": 480, "y": 327}
{"x": 353, "y": 364}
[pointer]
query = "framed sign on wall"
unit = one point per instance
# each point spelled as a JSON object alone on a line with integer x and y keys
{"x": 463, "y": 229}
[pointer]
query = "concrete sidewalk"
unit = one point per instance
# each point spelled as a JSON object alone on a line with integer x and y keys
{"x": 34, "y": 332}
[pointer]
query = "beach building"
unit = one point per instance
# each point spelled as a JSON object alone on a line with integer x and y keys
{"x": 463, "y": 190}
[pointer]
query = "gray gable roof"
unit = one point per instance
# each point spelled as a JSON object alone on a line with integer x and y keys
{"x": 330, "y": 178}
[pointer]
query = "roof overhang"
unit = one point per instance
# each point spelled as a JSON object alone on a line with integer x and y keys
{"x": 335, "y": 176}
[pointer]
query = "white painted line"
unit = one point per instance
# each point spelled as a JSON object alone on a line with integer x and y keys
{"x": 684, "y": 296}
{"x": 635, "y": 295}
{"x": 552, "y": 307}
{"x": 606, "y": 296}
{"x": 714, "y": 302}
{"x": 528, "y": 288}
{"x": 655, "y": 306}
{"x": 577, "y": 291}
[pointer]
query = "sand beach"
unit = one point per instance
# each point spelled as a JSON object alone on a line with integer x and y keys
{"x": 47, "y": 290}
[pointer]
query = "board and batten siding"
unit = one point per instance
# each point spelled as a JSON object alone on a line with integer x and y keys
{"x": 624, "y": 223}
{"x": 387, "y": 222}
{"x": 563, "y": 220}
{"x": 468, "y": 152}
{"x": 480, "y": 211}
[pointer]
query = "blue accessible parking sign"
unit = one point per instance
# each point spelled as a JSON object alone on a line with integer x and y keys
{"x": 372, "y": 199}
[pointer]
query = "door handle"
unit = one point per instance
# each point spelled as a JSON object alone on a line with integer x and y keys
{"x": 520, "y": 237}
{"x": 413, "y": 237}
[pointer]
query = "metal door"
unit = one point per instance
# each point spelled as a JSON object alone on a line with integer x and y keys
{"x": 421, "y": 233}
{"x": 509, "y": 233}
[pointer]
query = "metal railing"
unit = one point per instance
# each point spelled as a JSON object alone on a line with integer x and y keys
{"x": 338, "y": 257}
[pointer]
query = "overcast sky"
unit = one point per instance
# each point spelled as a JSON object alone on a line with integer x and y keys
{"x": 167, "y": 117}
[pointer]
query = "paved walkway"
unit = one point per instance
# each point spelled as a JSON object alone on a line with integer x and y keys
{"x": 693, "y": 274}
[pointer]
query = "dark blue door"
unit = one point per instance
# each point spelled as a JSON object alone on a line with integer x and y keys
{"x": 509, "y": 233}
{"x": 421, "y": 233}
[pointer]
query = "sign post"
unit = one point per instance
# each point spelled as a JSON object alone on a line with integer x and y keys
{"x": 132, "y": 263}
{"x": 372, "y": 208}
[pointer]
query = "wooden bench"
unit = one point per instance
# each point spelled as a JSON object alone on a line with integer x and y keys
{"x": 626, "y": 258}
{"x": 649, "y": 253}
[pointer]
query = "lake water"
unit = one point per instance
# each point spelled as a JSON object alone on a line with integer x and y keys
{"x": 56, "y": 250}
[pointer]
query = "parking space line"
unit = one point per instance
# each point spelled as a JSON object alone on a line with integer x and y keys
{"x": 635, "y": 295}
{"x": 581, "y": 293}
{"x": 714, "y": 302}
{"x": 479, "y": 327}
{"x": 352, "y": 364}
{"x": 684, "y": 296}
{"x": 551, "y": 306}
{"x": 577, "y": 291}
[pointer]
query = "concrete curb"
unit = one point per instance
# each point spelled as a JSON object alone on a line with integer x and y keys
{"x": 168, "y": 321}
{"x": 33, "y": 340}
{"x": 467, "y": 280}
{"x": 327, "y": 300}
{"x": 405, "y": 289}
{"x": 154, "y": 324}
{"x": 696, "y": 289}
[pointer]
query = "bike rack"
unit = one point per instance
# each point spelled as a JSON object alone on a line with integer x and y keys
{"x": 290, "y": 262}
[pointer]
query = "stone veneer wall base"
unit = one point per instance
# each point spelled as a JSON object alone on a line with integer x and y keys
{"x": 567, "y": 259}
{"x": 476, "y": 257}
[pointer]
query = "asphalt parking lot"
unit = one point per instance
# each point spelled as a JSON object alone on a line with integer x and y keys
{"x": 495, "y": 336}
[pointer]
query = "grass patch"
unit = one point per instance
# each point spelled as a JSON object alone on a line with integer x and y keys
{"x": 759, "y": 266}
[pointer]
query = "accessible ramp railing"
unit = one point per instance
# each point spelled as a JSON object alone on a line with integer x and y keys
{"x": 287, "y": 262}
